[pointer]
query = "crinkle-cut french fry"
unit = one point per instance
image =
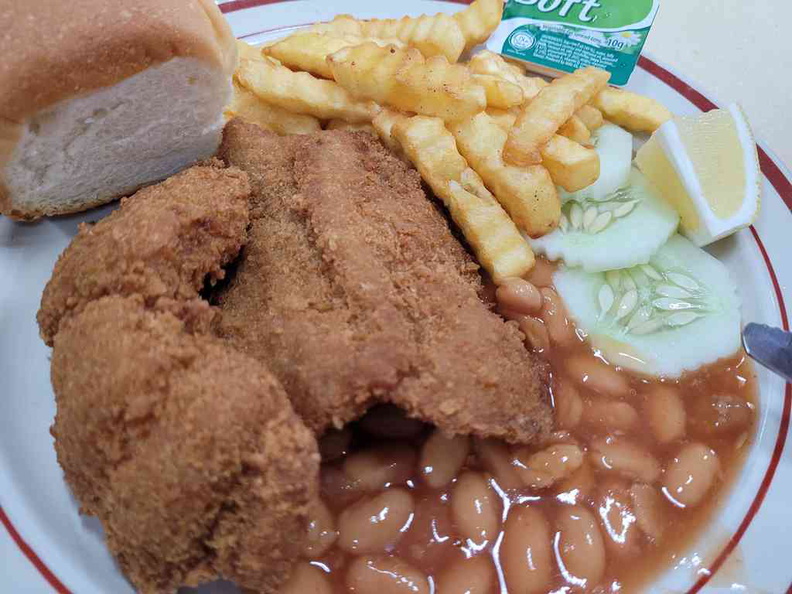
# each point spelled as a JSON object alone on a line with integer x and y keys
{"x": 501, "y": 93}
{"x": 300, "y": 92}
{"x": 590, "y": 116}
{"x": 350, "y": 127}
{"x": 245, "y": 51}
{"x": 527, "y": 193}
{"x": 383, "y": 125}
{"x": 541, "y": 118}
{"x": 404, "y": 79}
{"x": 342, "y": 24}
{"x": 487, "y": 62}
{"x": 502, "y": 117}
{"x": 493, "y": 236}
{"x": 571, "y": 165}
{"x": 308, "y": 50}
{"x": 249, "y": 107}
{"x": 635, "y": 112}
{"x": 432, "y": 35}
{"x": 575, "y": 129}
{"x": 479, "y": 20}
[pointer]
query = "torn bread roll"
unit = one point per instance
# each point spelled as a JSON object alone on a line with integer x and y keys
{"x": 100, "y": 97}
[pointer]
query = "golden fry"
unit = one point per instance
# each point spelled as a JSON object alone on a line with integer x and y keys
{"x": 404, "y": 79}
{"x": 487, "y": 62}
{"x": 635, "y": 112}
{"x": 479, "y": 20}
{"x": 300, "y": 92}
{"x": 492, "y": 235}
{"x": 571, "y": 165}
{"x": 432, "y": 35}
{"x": 590, "y": 116}
{"x": 505, "y": 119}
{"x": 245, "y": 51}
{"x": 527, "y": 193}
{"x": 249, "y": 107}
{"x": 342, "y": 125}
{"x": 575, "y": 129}
{"x": 501, "y": 94}
{"x": 308, "y": 50}
{"x": 541, "y": 118}
{"x": 342, "y": 24}
{"x": 383, "y": 125}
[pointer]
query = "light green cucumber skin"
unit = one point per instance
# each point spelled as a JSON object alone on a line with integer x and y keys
{"x": 626, "y": 242}
{"x": 670, "y": 351}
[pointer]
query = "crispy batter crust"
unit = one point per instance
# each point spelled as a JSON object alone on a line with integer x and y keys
{"x": 163, "y": 242}
{"x": 187, "y": 451}
{"x": 353, "y": 290}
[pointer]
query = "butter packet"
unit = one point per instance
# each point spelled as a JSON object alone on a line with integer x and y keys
{"x": 554, "y": 37}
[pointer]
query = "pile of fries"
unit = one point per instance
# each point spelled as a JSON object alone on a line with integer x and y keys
{"x": 492, "y": 142}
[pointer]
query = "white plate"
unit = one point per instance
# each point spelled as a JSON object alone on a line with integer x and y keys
{"x": 62, "y": 551}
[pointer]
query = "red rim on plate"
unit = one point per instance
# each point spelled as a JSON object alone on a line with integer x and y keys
{"x": 770, "y": 170}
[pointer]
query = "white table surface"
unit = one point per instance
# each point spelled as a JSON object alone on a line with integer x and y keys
{"x": 732, "y": 50}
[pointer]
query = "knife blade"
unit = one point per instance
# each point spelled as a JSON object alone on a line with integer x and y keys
{"x": 770, "y": 347}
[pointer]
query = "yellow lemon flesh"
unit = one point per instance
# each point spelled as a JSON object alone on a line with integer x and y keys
{"x": 707, "y": 167}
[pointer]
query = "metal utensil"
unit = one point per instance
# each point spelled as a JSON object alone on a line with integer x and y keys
{"x": 770, "y": 347}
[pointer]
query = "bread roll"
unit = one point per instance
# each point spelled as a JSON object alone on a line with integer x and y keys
{"x": 100, "y": 97}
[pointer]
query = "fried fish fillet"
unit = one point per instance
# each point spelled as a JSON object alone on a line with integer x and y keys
{"x": 187, "y": 451}
{"x": 162, "y": 243}
{"x": 353, "y": 290}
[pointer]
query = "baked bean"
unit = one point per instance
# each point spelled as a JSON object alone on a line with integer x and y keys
{"x": 615, "y": 509}
{"x": 690, "y": 475}
{"x": 568, "y": 405}
{"x": 475, "y": 575}
{"x": 625, "y": 457}
{"x": 579, "y": 547}
{"x": 390, "y": 422}
{"x": 554, "y": 316}
{"x": 335, "y": 486}
{"x": 430, "y": 540}
{"x": 592, "y": 373}
{"x": 577, "y": 487}
{"x": 541, "y": 274}
{"x": 525, "y": 553}
{"x": 334, "y": 444}
{"x": 536, "y": 335}
{"x": 321, "y": 532}
{"x": 720, "y": 414}
{"x": 375, "y": 523}
{"x": 520, "y": 296}
{"x": 496, "y": 458}
{"x": 379, "y": 466}
{"x": 544, "y": 468}
{"x": 649, "y": 510}
{"x": 666, "y": 414}
{"x": 475, "y": 507}
{"x": 385, "y": 575}
{"x": 306, "y": 579}
{"x": 442, "y": 457}
{"x": 610, "y": 416}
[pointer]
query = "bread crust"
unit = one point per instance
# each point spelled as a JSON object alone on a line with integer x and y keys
{"x": 84, "y": 45}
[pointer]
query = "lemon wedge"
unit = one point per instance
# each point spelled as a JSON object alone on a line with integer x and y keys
{"x": 707, "y": 167}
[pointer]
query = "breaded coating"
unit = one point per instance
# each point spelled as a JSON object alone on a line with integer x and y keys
{"x": 187, "y": 451}
{"x": 353, "y": 290}
{"x": 164, "y": 241}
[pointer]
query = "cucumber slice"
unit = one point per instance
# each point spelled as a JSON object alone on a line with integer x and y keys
{"x": 675, "y": 314}
{"x": 615, "y": 149}
{"x": 621, "y": 231}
